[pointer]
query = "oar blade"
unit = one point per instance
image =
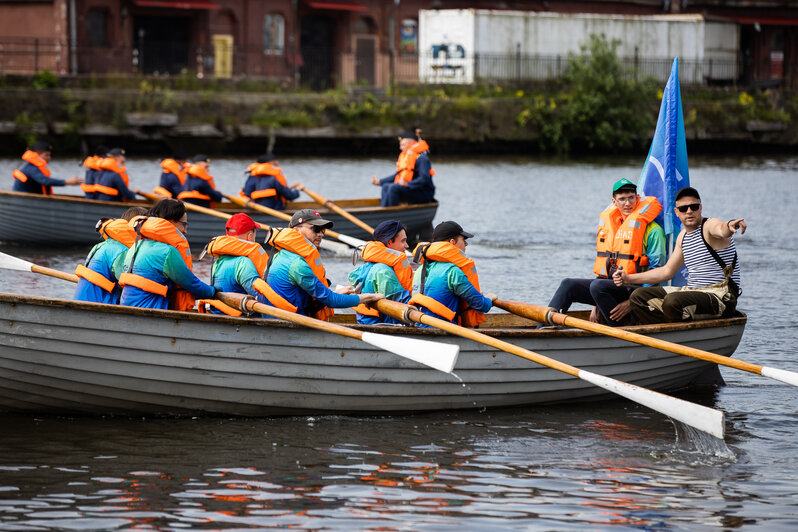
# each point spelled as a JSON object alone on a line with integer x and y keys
{"x": 10, "y": 262}
{"x": 437, "y": 355}
{"x": 782, "y": 375}
{"x": 701, "y": 417}
{"x": 336, "y": 247}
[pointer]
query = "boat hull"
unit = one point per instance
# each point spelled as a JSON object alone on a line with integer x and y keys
{"x": 60, "y": 220}
{"x": 63, "y": 357}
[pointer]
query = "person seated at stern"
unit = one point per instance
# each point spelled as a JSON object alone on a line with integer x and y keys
{"x": 412, "y": 181}
{"x": 240, "y": 262}
{"x": 173, "y": 176}
{"x": 297, "y": 281}
{"x": 199, "y": 187}
{"x": 98, "y": 279}
{"x": 386, "y": 271}
{"x": 113, "y": 182}
{"x": 157, "y": 271}
{"x": 628, "y": 239}
{"x": 266, "y": 185}
{"x": 33, "y": 176}
{"x": 706, "y": 247}
{"x": 446, "y": 285}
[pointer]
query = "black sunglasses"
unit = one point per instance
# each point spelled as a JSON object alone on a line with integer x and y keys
{"x": 693, "y": 207}
{"x": 317, "y": 228}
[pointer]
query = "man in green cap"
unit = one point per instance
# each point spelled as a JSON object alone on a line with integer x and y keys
{"x": 628, "y": 239}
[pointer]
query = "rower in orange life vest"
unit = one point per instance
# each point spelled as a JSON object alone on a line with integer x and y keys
{"x": 173, "y": 177}
{"x": 296, "y": 280}
{"x": 412, "y": 181}
{"x": 157, "y": 272}
{"x": 240, "y": 262}
{"x": 93, "y": 171}
{"x": 33, "y": 176}
{"x": 446, "y": 285}
{"x": 266, "y": 184}
{"x": 113, "y": 182}
{"x": 386, "y": 271}
{"x": 98, "y": 279}
{"x": 629, "y": 239}
{"x": 199, "y": 188}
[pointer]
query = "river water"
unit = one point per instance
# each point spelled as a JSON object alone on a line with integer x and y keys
{"x": 592, "y": 466}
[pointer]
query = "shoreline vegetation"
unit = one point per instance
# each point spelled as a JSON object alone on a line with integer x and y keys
{"x": 595, "y": 108}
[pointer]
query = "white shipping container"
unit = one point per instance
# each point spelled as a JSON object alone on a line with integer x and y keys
{"x": 461, "y": 45}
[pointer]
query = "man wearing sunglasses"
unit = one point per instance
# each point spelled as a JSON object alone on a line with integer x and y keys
{"x": 629, "y": 239}
{"x": 706, "y": 247}
{"x": 296, "y": 280}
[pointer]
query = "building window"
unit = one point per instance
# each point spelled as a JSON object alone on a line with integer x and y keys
{"x": 97, "y": 27}
{"x": 273, "y": 34}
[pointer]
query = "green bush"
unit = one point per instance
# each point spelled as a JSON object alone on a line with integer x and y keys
{"x": 44, "y": 80}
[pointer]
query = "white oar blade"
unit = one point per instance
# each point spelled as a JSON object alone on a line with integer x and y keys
{"x": 701, "y": 417}
{"x": 13, "y": 263}
{"x": 782, "y": 375}
{"x": 352, "y": 241}
{"x": 337, "y": 248}
{"x": 437, "y": 355}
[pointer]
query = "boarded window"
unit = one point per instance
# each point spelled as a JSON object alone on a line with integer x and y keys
{"x": 97, "y": 27}
{"x": 273, "y": 34}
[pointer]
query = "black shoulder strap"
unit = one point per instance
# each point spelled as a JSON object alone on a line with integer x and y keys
{"x": 421, "y": 253}
{"x": 727, "y": 270}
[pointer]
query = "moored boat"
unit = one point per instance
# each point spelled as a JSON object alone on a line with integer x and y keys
{"x": 63, "y": 220}
{"x": 66, "y": 357}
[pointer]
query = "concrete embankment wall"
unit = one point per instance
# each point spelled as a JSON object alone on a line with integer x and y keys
{"x": 157, "y": 122}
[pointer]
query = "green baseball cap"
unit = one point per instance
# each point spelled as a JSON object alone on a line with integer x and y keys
{"x": 623, "y": 183}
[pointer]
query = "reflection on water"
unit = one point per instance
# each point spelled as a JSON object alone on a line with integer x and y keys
{"x": 589, "y": 466}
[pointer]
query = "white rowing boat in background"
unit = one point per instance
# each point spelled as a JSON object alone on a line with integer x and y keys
{"x": 65, "y": 357}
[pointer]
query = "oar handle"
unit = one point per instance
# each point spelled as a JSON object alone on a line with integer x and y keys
{"x": 248, "y": 304}
{"x": 54, "y": 273}
{"x": 318, "y": 198}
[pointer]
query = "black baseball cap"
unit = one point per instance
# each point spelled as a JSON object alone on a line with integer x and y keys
{"x": 41, "y": 146}
{"x": 447, "y": 230}
{"x": 309, "y": 216}
{"x": 687, "y": 191}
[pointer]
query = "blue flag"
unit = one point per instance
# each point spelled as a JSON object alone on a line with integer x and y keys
{"x": 665, "y": 170}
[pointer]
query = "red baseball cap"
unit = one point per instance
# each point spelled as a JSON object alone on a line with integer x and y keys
{"x": 240, "y": 224}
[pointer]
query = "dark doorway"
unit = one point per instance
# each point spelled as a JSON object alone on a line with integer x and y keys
{"x": 162, "y": 43}
{"x": 365, "y": 55}
{"x": 316, "y": 38}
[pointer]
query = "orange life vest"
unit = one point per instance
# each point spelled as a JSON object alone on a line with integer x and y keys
{"x": 173, "y": 167}
{"x": 267, "y": 169}
{"x": 196, "y": 170}
{"x": 447, "y": 252}
{"x": 92, "y": 162}
{"x": 407, "y": 161}
{"x": 227, "y": 245}
{"x": 109, "y": 163}
{"x": 36, "y": 160}
{"x": 165, "y": 232}
{"x": 116, "y": 229}
{"x": 375, "y": 251}
{"x": 292, "y": 240}
{"x": 619, "y": 242}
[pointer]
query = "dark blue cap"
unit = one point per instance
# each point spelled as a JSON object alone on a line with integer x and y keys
{"x": 386, "y": 230}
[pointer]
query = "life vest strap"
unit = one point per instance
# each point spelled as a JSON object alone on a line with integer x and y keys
{"x": 88, "y": 189}
{"x": 215, "y": 303}
{"x": 615, "y": 255}
{"x": 434, "y": 305}
{"x": 95, "y": 278}
{"x": 266, "y": 193}
{"x": 17, "y": 173}
{"x": 193, "y": 194}
{"x": 108, "y": 191}
{"x": 162, "y": 192}
{"x": 148, "y": 285}
{"x": 274, "y": 298}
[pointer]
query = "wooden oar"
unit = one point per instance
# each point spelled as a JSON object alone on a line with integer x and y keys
{"x": 437, "y": 355}
{"x": 321, "y": 200}
{"x": 549, "y": 315}
{"x": 335, "y": 247}
{"x": 249, "y": 204}
{"x": 10, "y": 262}
{"x": 701, "y": 417}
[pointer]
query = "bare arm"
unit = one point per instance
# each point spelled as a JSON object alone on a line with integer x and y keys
{"x": 657, "y": 275}
{"x": 720, "y": 231}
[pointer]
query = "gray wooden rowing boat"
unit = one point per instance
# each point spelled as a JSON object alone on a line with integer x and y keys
{"x": 65, "y": 357}
{"x": 62, "y": 220}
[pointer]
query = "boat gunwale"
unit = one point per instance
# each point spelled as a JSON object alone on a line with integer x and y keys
{"x": 531, "y": 331}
